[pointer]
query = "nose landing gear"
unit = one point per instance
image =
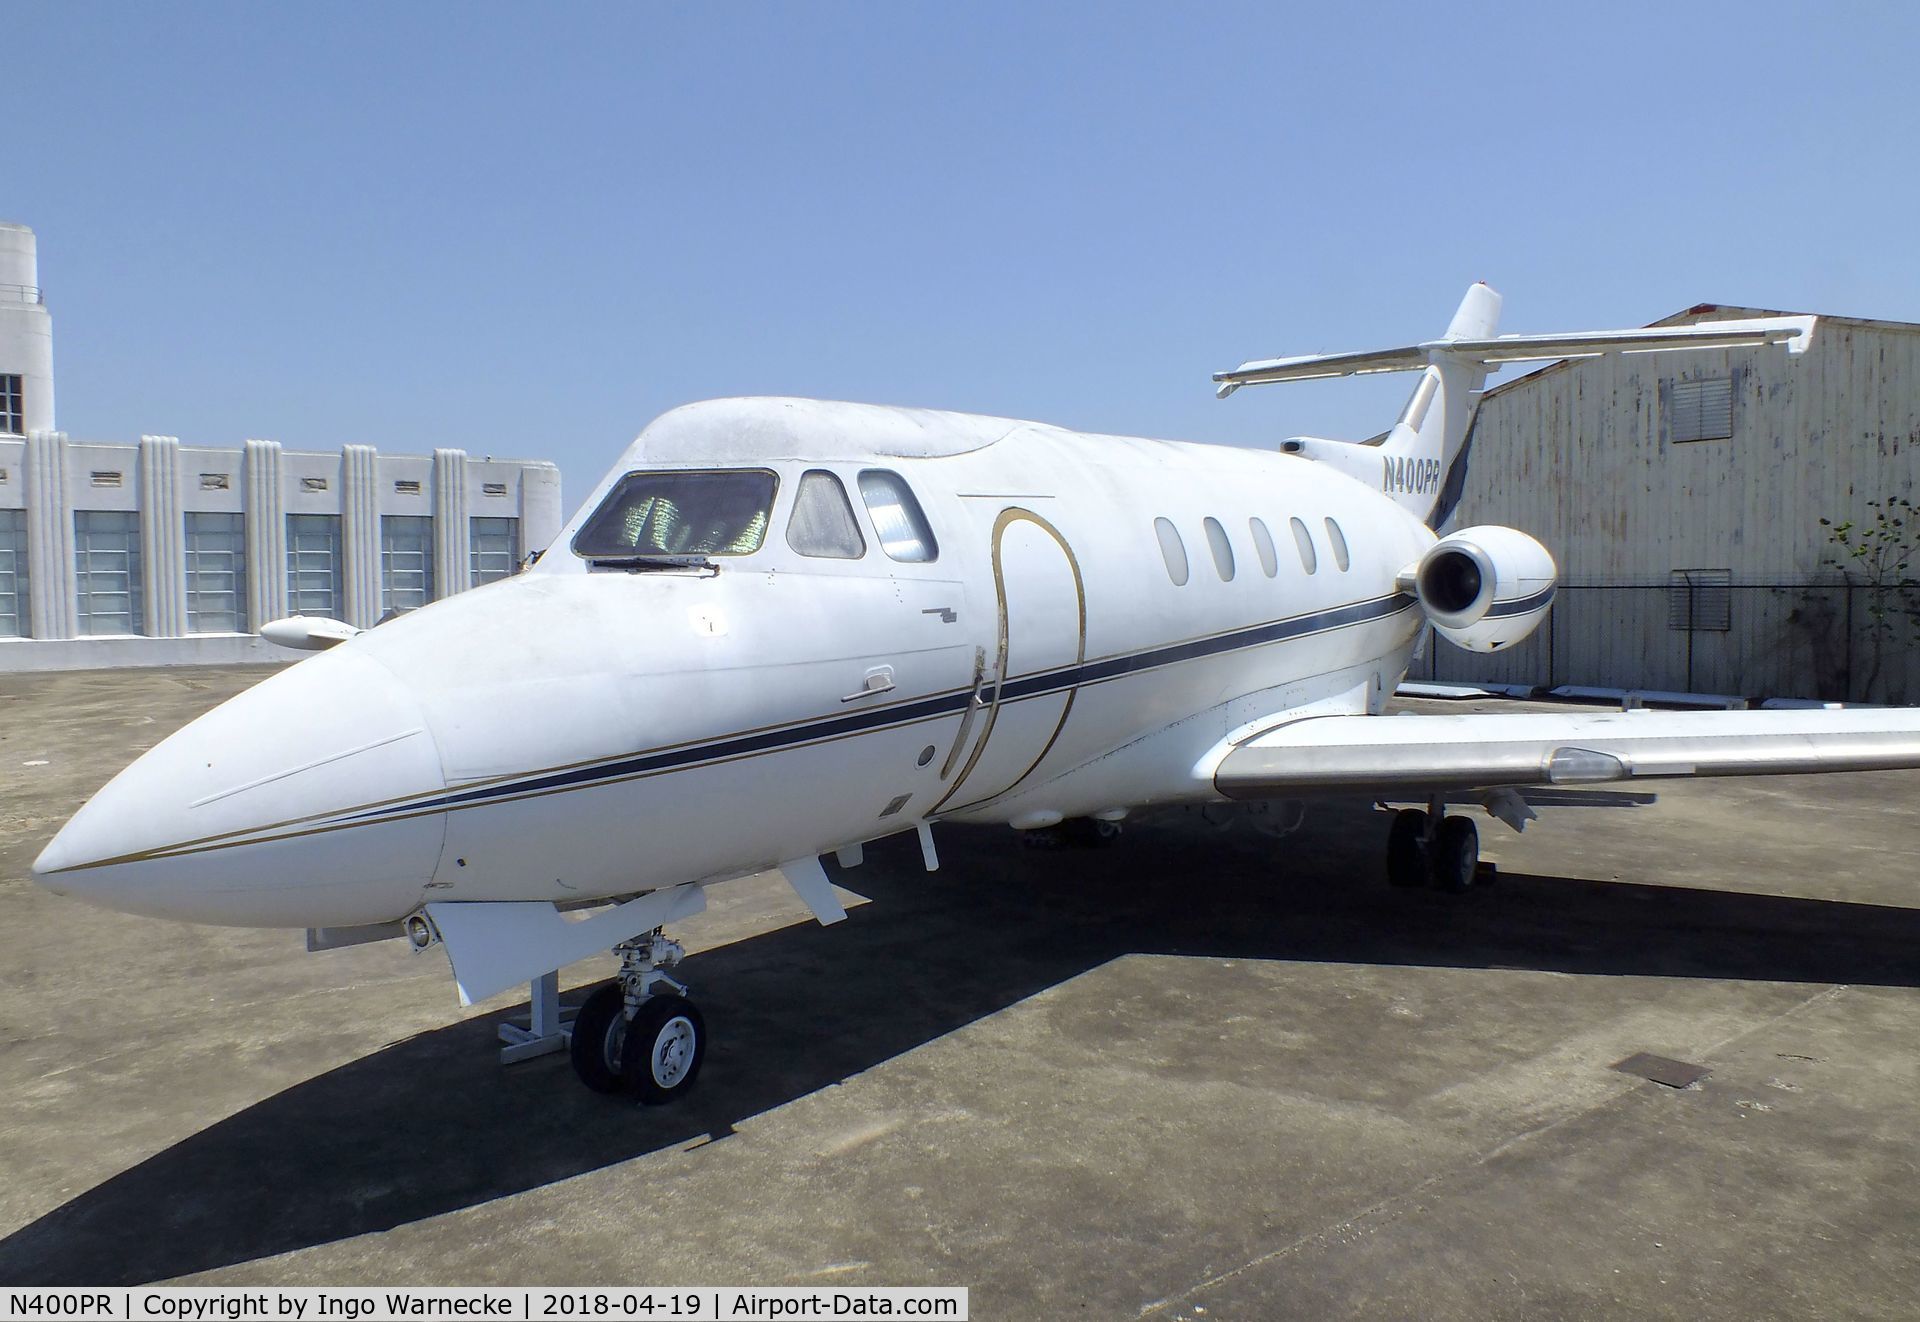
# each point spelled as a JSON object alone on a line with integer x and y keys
{"x": 1432, "y": 849}
{"x": 641, "y": 1034}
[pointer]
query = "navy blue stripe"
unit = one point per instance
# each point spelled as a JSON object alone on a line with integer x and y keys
{"x": 677, "y": 757}
{"x": 1095, "y": 672}
{"x": 1027, "y": 686}
{"x": 1521, "y": 606}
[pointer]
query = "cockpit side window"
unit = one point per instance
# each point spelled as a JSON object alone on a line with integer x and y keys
{"x": 823, "y": 524}
{"x": 904, "y": 532}
{"x": 680, "y": 513}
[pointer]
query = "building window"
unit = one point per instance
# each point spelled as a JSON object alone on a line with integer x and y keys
{"x": 1222, "y": 549}
{"x": 1303, "y": 539}
{"x": 1172, "y": 550}
{"x": 315, "y": 581}
{"x": 14, "y": 609}
{"x": 822, "y": 524}
{"x": 13, "y": 408}
{"x": 904, "y": 534}
{"x": 1263, "y": 545}
{"x": 106, "y": 565}
{"x": 1700, "y": 600}
{"x": 493, "y": 549}
{"x": 1338, "y": 540}
{"x": 406, "y": 563}
{"x": 1700, "y": 410}
{"x": 216, "y": 547}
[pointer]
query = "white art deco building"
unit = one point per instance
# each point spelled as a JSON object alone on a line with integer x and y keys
{"x": 161, "y": 553}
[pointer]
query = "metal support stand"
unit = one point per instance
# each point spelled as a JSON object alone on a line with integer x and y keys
{"x": 548, "y": 1025}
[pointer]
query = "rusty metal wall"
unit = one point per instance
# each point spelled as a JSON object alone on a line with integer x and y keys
{"x": 1786, "y": 640}
{"x": 1578, "y": 455}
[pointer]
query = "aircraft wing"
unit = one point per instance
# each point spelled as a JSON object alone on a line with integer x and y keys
{"x": 1413, "y": 755}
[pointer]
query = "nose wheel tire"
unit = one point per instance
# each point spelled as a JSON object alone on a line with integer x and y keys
{"x": 599, "y": 1040}
{"x": 1407, "y": 863}
{"x": 665, "y": 1046}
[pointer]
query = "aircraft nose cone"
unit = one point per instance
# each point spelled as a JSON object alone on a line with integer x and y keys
{"x": 301, "y": 802}
{"x": 62, "y": 852}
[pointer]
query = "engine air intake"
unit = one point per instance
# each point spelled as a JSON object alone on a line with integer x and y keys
{"x": 1451, "y": 581}
{"x": 1485, "y": 588}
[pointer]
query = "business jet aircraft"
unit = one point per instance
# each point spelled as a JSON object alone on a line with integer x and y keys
{"x": 782, "y": 627}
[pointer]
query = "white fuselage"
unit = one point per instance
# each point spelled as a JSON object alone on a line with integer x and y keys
{"x": 579, "y": 732}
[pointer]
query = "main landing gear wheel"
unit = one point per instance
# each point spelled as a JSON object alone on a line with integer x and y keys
{"x": 1089, "y": 832}
{"x": 665, "y": 1045}
{"x": 599, "y": 1038}
{"x": 1446, "y": 857}
{"x": 1073, "y": 833}
{"x": 1456, "y": 853}
{"x": 1407, "y": 852}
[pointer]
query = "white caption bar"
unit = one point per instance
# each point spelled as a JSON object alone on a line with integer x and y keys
{"x": 704, "y": 1303}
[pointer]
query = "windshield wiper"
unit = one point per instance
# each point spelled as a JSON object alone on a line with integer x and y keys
{"x": 641, "y": 561}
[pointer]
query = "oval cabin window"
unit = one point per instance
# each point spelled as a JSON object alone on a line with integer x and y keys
{"x": 1222, "y": 549}
{"x": 1263, "y": 547}
{"x": 1173, "y": 551}
{"x": 1309, "y": 561}
{"x": 1338, "y": 540}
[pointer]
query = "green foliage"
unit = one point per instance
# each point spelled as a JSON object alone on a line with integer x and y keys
{"x": 1876, "y": 554}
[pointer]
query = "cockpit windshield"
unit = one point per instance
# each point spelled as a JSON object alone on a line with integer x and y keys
{"x": 680, "y": 514}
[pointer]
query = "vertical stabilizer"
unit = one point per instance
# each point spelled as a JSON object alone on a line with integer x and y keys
{"x": 1421, "y": 463}
{"x": 1426, "y": 451}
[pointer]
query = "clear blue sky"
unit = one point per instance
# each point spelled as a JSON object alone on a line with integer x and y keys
{"x": 527, "y": 229}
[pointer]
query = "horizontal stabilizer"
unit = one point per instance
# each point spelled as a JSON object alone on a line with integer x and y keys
{"x": 1794, "y": 332}
{"x": 1388, "y": 755}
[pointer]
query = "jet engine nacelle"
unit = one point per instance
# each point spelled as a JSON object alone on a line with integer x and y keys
{"x": 1485, "y": 589}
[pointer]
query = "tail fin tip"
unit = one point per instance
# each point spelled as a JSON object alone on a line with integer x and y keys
{"x": 1478, "y": 316}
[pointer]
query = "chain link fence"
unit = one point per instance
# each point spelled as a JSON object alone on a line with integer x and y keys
{"x": 1700, "y": 633}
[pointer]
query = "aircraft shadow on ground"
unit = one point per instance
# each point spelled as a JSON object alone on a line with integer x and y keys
{"x": 433, "y": 1124}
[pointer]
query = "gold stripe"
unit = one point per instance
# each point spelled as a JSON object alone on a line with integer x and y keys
{"x": 213, "y": 844}
{"x": 1008, "y": 517}
{"x": 229, "y": 840}
{"x": 195, "y": 845}
{"x": 607, "y": 758}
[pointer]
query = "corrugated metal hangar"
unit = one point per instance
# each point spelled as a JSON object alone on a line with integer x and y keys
{"x": 1682, "y": 496}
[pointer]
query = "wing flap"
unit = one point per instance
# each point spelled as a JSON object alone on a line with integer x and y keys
{"x": 1379, "y": 754}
